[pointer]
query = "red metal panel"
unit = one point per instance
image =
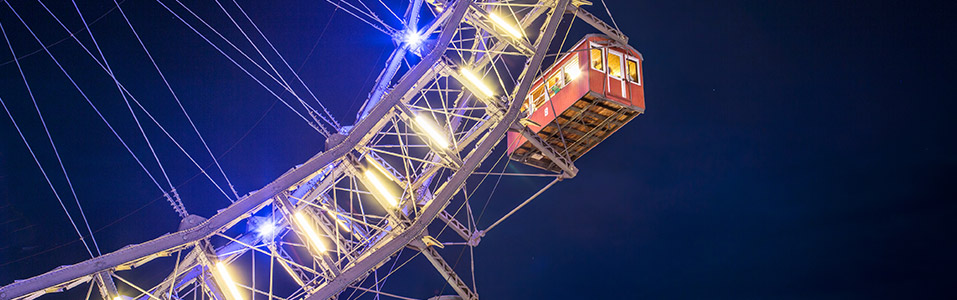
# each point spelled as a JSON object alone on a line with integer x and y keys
{"x": 596, "y": 81}
{"x": 636, "y": 90}
{"x": 629, "y": 94}
{"x": 614, "y": 88}
{"x": 557, "y": 103}
{"x": 636, "y": 96}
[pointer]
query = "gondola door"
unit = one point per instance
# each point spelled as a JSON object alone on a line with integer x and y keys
{"x": 616, "y": 74}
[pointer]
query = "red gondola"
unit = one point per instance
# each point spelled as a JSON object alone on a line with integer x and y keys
{"x": 581, "y": 100}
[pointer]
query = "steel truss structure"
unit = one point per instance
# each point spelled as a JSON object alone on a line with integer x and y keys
{"x": 335, "y": 221}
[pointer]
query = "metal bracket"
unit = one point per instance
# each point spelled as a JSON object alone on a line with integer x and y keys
{"x": 290, "y": 210}
{"x": 445, "y": 270}
{"x": 563, "y": 162}
{"x": 477, "y": 18}
{"x": 407, "y": 115}
{"x": 594, "y": 21}
{"x": 104, "y": 281}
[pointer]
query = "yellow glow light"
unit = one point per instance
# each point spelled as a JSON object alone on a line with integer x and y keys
{"x": 573, "y": 72}
{"x": 380, "y": 188}
{"x": 227, "y": 280}
{"x": 379, "y": 167}
{"x": 505, "y": 25}
{"x": 306, "y": 226}
{"x": 117, "y": 298}
{"x": 433, "y": 132}
{"x": 477, "y": 82}
{"x": 342, "y": 223}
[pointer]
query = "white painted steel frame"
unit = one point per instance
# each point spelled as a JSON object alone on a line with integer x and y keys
{"x": 327, "y": 169}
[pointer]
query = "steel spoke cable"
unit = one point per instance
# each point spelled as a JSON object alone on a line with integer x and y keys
{"x": 15, "y": 125}
{"x": 251, "y": 43}
{"x": 380, "y": 284}
{"x": 392, "y": 271}
{"x": 117, "y": 220}
{"x": 474, "y": 190}
{"x": 472, "y": 262}
{"x": 378, "y": 293}
{"x": 609, "y": 15}
{"x": 510, "y": 213}
{"x": 201, "y": 169}
{"x": 85, "y": 97}
{"x": 176, "y": 98}
{"x": 61, "y": 40}
{"x": 561, "y": 128}
{"x": 136, "y": 119}
{"x": 176, "y": 205}
{"x": 369, "y": 11}
{"x": 273, "y": 68}
{"x": 500, "y": 175}
{"x": 321, "y": 131}
{"x": 456, "y": 264}
{"x": 355, "y": 14}
{"x": 101, "y": 228}
{"x": 221, "y": 36}
{"x": 316, "y": 44}
{"x": 294, "y": 72}
{"x": 56, "y": 152}
{"x": 466, "y": 203}
{"x": 393, "y": 13}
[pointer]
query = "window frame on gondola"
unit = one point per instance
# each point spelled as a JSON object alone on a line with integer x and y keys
{"x": 608, "y": 64}
{"x": 636, "y": 77}
{"x": 552, "y": 85}
{"x": 572, "y": 63}
{"x": 556, "y": 85}
{"x": 532, "y": 102}
{"x": 600, "y": 51}
{"x": 540, "y": 91}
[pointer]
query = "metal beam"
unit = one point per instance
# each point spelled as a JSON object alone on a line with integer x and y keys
{"x": 240, "y": 209}
{"x": 104, "y": 282}
{"x": 456, "y": 226}
{"x": 599, "y": 24}
{"x": 557, "y": 158}
{"x": 446, "y": 271}
{"x": 452, "y": 186}
{"x": 256, "y": 200}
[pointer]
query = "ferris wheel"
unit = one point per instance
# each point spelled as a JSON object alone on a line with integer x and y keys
{"x": 464, "y": 91}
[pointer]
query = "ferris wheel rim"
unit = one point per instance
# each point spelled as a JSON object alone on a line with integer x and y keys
{"x": 321, "y": 160}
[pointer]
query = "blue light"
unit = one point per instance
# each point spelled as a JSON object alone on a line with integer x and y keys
{"x": 413, "y": 39}
{"x": 267, "y": 230}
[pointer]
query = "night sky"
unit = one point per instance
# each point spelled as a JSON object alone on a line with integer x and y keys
{"x": 790, "y": 149}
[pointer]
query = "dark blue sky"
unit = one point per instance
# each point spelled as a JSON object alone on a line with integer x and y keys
{"x": 790, "y": 150}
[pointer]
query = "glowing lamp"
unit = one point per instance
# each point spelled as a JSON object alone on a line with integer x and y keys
{"x": 430, "y": 129}
{"x": 573, "y": 72}
{"x": 413, "y": 39}
{"x": 381, "y": 189}
{"x": 342, "y": 223}
{"x": 505, "y": 25}
{"x": 267, "y": 230}
{"x": 306, "y": 227}
{"x": 482, "y": 88}
{"x": 227, "y": 280}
